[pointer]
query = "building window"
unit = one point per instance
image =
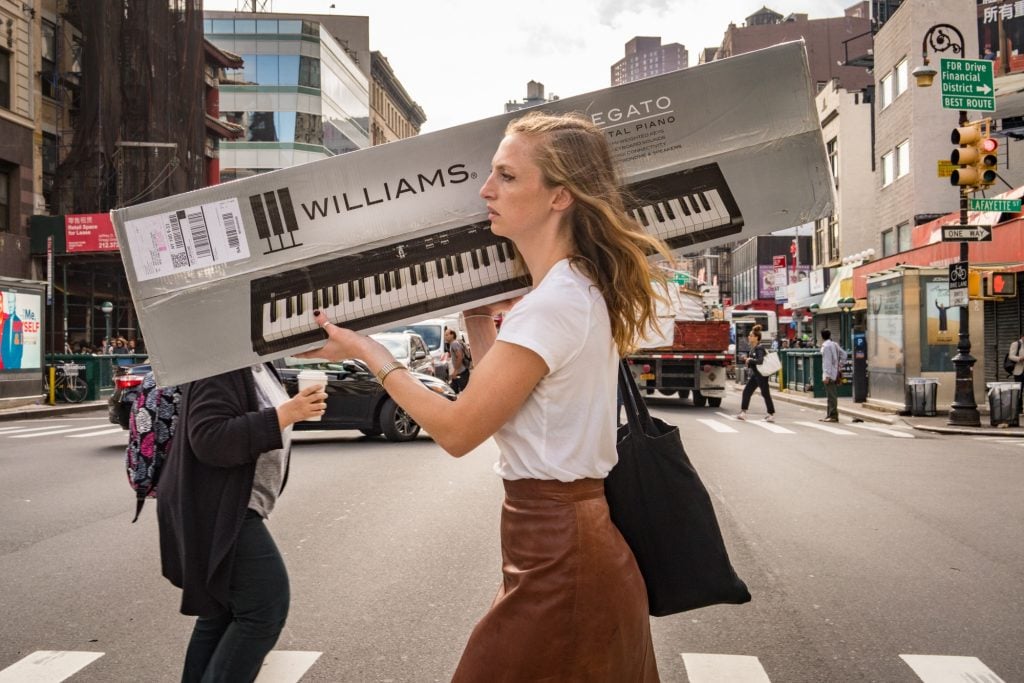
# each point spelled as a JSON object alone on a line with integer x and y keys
{"x": 888, "y": 170}
{"x": 903, "y": 158}
{"x": 819, "y": 241}
{"x": 903, "y": 232}
{"x": 48, "y": 73}
{"x": 886, "y": 91}
{"x": 889, "y": 242}
{"x": 832, "y": 147}
{"x": 5, "y": 205}
{"x": 833, "y": 237}
{"x": 5, "y": 79}
{"x": 900, "y": 82}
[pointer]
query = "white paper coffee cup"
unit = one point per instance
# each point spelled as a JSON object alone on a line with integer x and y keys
{"x": 312, "y": 378}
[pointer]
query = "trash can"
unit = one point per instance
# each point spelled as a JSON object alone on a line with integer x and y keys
{"x": 1003, "y": 402}
{"x": 920, "y": 396}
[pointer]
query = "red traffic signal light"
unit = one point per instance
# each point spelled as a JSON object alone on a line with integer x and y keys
{"x": 1002, "y": 284}
{"x": 976, "y": 155}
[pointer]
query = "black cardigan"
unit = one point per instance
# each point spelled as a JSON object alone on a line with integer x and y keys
{"x": 206, "y": 484}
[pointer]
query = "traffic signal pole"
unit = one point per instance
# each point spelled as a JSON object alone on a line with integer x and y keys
{"x": 964, "y": 409}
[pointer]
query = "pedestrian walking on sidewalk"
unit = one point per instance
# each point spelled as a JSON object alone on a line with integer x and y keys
{"x": 572, "y": 604}
{"x": 832, "y": 358}
{"x": 755, "y": 379}
{"x": 1016, "y": 354}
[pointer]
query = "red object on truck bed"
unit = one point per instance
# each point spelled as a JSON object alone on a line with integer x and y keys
{"x": 700, "y": 335}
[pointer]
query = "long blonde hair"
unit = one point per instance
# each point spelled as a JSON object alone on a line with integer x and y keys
{"x": 610, "y": 247}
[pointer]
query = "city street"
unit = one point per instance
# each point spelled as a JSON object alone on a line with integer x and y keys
{"x": 873, "y": 553}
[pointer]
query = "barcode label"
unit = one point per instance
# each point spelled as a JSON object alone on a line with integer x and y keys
{"x": 188, "y": 239}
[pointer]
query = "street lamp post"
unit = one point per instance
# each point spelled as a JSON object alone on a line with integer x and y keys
{"x": 846, "y": 329}
{"x": 107, "y": 309}
{"x": 964, "y": 409}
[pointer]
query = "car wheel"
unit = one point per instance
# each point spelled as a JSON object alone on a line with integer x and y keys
{"x": 396, "y": 424}
{"x": 370, "y": 432}
{"x": 699, "y": 399}
{"x": 715, "y": 402}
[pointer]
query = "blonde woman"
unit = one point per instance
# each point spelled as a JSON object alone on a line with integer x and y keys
{"x": 572, "y": 604}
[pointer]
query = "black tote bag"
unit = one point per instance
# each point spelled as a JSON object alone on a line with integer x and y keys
{"x": 662, "y": 509}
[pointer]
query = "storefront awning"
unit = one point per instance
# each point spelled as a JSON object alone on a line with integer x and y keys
{"x": 841, "y": 288}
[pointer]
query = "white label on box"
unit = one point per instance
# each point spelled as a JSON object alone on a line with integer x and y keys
{"x": 186, "y": 240}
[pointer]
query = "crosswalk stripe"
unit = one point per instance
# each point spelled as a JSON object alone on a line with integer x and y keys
{"x": 286, "y": 666}
{"x": 825, "y": 427}
{"x": 777, "y": 429}
{"x": 48, "y": 666}
{"x": 884, "y": 430}
{"x": 717, "y": 426}
{"x": 53, "y": 430}
{"x": 113, "y": 430}
{"x": 704, "y": 668}
{"x": 38, "y": 429}
{"x": 947, "y": 669}
{"x": 11, "y": 429}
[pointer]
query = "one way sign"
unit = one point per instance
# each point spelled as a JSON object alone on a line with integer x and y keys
{"x": 966, "y": 233}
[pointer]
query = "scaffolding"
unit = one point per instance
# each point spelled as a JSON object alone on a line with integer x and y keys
{"x": 139, "y": 131}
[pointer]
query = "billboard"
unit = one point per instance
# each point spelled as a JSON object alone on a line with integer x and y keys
{"x": 86, "y": 232}
{"x": 21, "y": 319}
{"x": 1001, "y": 34}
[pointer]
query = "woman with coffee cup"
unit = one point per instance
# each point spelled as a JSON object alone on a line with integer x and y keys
{"x": 572, "y": 605}
{"x": 227, "y": 467}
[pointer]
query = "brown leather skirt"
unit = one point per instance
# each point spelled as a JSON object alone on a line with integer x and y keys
{"x": 572, "y": 606}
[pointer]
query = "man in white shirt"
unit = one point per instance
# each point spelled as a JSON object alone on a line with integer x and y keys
{"x": 832, "y": 358}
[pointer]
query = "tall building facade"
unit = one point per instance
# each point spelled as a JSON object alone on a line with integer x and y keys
{"x": 394, "y": 115}
{"x": 303, "y": 93}
{"x": 645, "y": 57}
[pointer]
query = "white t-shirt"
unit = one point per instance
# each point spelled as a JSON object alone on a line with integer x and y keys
{"x": 566, "y": 428}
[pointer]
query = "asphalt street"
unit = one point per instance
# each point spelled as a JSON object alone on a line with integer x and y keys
{"x": 874, "y": 552}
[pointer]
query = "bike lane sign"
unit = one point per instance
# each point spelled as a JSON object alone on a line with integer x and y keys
{"x": 958, "y": 283}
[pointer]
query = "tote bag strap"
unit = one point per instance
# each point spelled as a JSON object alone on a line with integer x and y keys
{"x": 637, "y": 415}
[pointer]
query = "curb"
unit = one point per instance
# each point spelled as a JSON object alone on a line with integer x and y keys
{"x": 33, "y": 411}
{"x": 867, "y": 414}
{"x": 975, "y": 431}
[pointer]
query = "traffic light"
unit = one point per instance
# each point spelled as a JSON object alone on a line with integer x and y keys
{"x": 976, "y": 155}
{"x": 1000, "y": 284}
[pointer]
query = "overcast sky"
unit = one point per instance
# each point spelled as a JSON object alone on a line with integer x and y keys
{"x": 461, "y": 60}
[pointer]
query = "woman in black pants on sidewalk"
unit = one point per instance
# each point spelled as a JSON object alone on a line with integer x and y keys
{"x": 756, "y": 380}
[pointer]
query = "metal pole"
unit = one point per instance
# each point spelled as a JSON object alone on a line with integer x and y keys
{"x": 964, "y": 410}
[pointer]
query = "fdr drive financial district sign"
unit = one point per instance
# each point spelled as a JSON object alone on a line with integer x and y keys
{"x": 967, "y": 84}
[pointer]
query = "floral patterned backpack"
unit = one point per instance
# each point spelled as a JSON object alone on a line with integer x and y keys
{"x": 151, "y": 424}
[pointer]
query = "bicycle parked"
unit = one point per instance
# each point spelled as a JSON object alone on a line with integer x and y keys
{"x": 68, "y": 384}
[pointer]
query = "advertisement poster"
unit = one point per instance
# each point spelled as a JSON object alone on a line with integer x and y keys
{"x": 21, "y": 344}
{"x": 942, "y": 323}
{"x": 885, "y": 323}
{"x": 1000, "y": 34}
{"x": 766, "y": 280}
{"x": 89, "y": 232}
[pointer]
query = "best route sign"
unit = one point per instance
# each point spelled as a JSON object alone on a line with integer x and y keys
{"x": 967, "y": 84}
{"x": 1002, "y": 205}
{"x": 966, "y": 233}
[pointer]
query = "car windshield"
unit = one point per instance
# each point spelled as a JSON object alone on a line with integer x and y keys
{"x": 431, "y": 334}
{"x": 399, "y": 348}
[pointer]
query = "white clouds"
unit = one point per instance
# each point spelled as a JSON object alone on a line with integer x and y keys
{"x": 463, "y": 59}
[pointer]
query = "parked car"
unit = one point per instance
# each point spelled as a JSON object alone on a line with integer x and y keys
{"x": 409, "y": 348}
{"x": 127, "y": 381}
{"x": 356, "y": 400}
{"x": 432, "y": 332}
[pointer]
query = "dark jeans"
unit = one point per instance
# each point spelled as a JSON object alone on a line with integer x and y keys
{"x": 460, "y": 380}
{"x": 230, "y": 647}
{"x": 757, "y": 381}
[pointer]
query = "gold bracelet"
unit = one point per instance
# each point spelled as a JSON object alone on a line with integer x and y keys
{"x": 387, "y": 369}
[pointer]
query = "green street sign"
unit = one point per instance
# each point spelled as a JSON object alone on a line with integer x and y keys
{"x": 967, "y": 84}
{"x": 1001, "y": 205}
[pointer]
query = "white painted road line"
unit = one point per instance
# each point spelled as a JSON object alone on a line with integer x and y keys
{"x": 717, "y": 426}
{"x": 702, "y": 668}
{"x": 39, "y": 429}
{"x": 944, "y": 669}
{"x": 48, "y": 666}
{"x": 11, "y": 429}
{"x": 825, "y": 427}
{"x": 53, "y": 430}
{"x": 113, "y": 430}
{"x": 771, "y": 427}
{"x": 286, "y": 666}
{"x": 884, "y": 430}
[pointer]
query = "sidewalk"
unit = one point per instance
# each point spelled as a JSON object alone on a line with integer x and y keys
{"x": 888, "y": 413}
